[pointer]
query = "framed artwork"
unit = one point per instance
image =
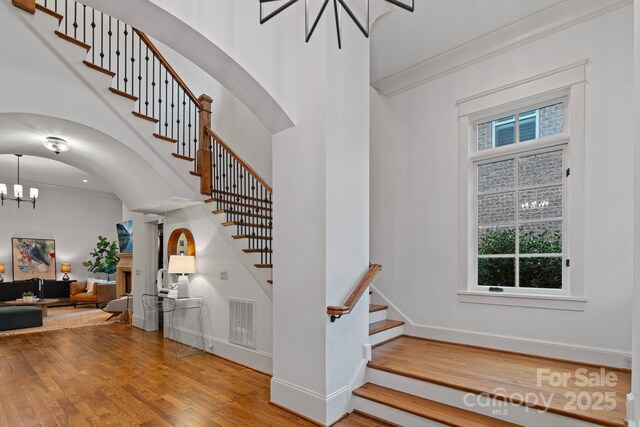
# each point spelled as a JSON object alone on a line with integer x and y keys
{"x": 125, "y": 236}
{"x": 33, "y": 258}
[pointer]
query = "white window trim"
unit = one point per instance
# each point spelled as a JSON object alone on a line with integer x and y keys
{"x": 567, "y": 82}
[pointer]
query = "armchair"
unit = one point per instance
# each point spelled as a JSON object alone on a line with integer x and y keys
{"x": 102, "y": 293}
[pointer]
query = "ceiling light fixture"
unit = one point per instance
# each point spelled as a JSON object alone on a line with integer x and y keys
{"x": 17, "y": 191}
{"x": 338, "y": 7}
{"x": 57, "y": 145}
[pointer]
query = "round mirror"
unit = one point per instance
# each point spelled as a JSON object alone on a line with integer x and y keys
{"x": 181, "y": 242}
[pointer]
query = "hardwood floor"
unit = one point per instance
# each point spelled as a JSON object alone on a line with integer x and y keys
{"x": 102, "y": 376}
{"x": 485, "y": 371}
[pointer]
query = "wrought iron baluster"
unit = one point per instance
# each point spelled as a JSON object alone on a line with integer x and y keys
{"x": 166, "y": 102}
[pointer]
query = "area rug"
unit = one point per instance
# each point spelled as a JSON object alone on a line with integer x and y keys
{"x": 67, "y": 318}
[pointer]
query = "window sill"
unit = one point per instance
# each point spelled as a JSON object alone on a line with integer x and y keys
{"x": 523, "y": 300}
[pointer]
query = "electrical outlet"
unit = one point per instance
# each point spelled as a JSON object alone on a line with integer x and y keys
{"x": 366, "y": 352}
{"x": 210, "y": 343}
{"x": 627, "y": 362}
{"x": 224, "y": 275}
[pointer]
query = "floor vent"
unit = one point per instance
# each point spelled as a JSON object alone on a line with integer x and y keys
{"x": 242, "y": 322}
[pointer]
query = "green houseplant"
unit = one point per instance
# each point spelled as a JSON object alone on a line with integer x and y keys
{"x": 105, "y": 258}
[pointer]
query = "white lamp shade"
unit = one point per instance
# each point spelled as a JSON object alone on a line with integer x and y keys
{"x": 182, "y": 264}
{"x": 17, "y": 190}
{"x": 3, "y": 189}
{"x": 33, "y": 194}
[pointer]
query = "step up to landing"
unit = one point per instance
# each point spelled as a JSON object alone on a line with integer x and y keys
{"x": 423, "y": 408}
{"x": 524, "y": 389}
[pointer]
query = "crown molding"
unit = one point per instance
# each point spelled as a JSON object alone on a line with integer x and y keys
{"x": 534, "y": 27}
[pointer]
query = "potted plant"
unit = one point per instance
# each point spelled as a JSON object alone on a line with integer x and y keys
{"x": 27, "y": 296}
{"x": 105, "y": 258}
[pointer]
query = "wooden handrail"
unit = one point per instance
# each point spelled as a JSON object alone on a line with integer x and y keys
{"x": 337, "y": 311}
{"x": 242, "y": 162}
{"x": 168, "y": 66}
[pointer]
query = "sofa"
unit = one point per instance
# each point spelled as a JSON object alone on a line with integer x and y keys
{"x": 100, "y": 294}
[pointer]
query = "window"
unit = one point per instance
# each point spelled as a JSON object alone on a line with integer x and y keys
{"x": 519, "y": 196}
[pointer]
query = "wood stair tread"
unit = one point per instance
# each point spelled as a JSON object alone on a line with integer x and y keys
{"x": 168, "y": 139}
{"x": 383, "y": 325}
{"x": 123, "y": 94}
{"x": 145, "y": 117}
{"x": 48, "y": 11}
{"x": 238, "y": 213}
{"x": 246, "y": 224}
{"x": 270, "y": 282}
{"x": 70, "y": 39}
{"x": 241, "y": 196}
{"x": 259, "y": 208}
{"x": 482, "y": 371}
{"x": 425, "y": 408}
{"x": 181, "y": 157}
{"x": 257, "y": 251}
{"x": 246, "y": 236}
{"x": 375, "y": 307}
{"x": 99, "y": 68}
{"x": 263, "y": 265}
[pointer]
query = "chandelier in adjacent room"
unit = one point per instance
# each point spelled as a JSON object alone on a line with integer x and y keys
{"x": 18, "y": 191}
{"x": 338, "y": 7}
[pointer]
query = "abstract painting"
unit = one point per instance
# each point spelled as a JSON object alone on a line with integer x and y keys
{"x": 125, "y": 237}
{"x": 34, "y": 258}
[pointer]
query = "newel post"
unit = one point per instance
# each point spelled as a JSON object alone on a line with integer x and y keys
{"x": 26, "y": 5}
{"x": 204, "y": 150}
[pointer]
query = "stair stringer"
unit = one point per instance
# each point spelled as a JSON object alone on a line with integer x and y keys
{"x": 248, "y": 260}
{"x": 155, "y": 151}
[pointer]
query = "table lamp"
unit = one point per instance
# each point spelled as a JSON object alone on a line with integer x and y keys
{"x": 1, "y": 271}
{"x": 66, "y": 269}
{"x": 182, "y": 264}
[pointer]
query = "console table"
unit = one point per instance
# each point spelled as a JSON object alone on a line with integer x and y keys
{"x": 52, "y": 289}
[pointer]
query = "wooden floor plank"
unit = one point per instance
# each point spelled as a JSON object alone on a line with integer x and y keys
{"x": 103, "y": 376}
{"x": 480, "y": 370}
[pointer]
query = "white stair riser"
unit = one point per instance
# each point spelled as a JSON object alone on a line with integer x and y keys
{"x": 385, "y": 335}
{"x": 377, "y": 316}
{"x": 390, "y": 414}
{"x": 479, "y": 404}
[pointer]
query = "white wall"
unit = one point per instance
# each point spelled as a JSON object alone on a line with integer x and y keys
{"x": 414, "y": 192}
{"x": 214, "y": 256}
{"x": 73, "y": 217}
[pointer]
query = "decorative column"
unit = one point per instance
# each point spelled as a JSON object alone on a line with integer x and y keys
{"x": 204, "y": 150}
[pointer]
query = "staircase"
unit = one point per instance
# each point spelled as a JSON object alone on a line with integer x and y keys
{"x": 124, "y": 65}
{"x": 416, "y": 382}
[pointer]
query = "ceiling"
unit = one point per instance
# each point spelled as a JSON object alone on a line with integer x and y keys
{"x": 401, "y": 39}
{"x": 48, "y": 171}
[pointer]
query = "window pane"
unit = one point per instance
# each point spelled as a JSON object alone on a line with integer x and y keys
{"x": 540, "y": 169}
{"x": 551, "y": 120}
{"x": 541, "y": 273}
{"x": 541, "y": 203}
{"x": 497, "y": 176}
{"x": 499, "y": 240}
{"x": 496, "y": 272}
{"x": 497, "y": 208}
{"x": 528, "y": 125}
{"x": 485, "y": 136}
{"x": 504, "y": 132}
{"x": 541, "y": 238}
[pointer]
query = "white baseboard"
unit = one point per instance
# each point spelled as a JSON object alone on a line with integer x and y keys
{"x": 324, "y": 410}
{"x": 255, "y": 359}
{"x": 596, "y": 356}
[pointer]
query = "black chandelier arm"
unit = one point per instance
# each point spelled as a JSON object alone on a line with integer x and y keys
{"x": 315, "y": 23}
{"x": 17, "y": 199}
{"x": 404, "y": 6}
{"x": 364, "y": 30}
{"x": 275, "y": 12}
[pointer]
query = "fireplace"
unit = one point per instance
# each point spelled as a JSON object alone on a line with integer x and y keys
{"x": 124, "y": 278}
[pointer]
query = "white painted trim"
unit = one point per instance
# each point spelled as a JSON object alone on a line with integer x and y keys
{"x": 385, "y": 335}
{"x": 255, "y": 359}
{"x": 392, "y": 415}
{"x": 532, "y": 28}
{"x": 593, "y": 355}
{"x": 325, "y": 410}
{"x": 523, "y": 300}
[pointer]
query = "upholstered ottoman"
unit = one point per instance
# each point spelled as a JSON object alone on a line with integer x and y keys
{"x": 20, "y": 317}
